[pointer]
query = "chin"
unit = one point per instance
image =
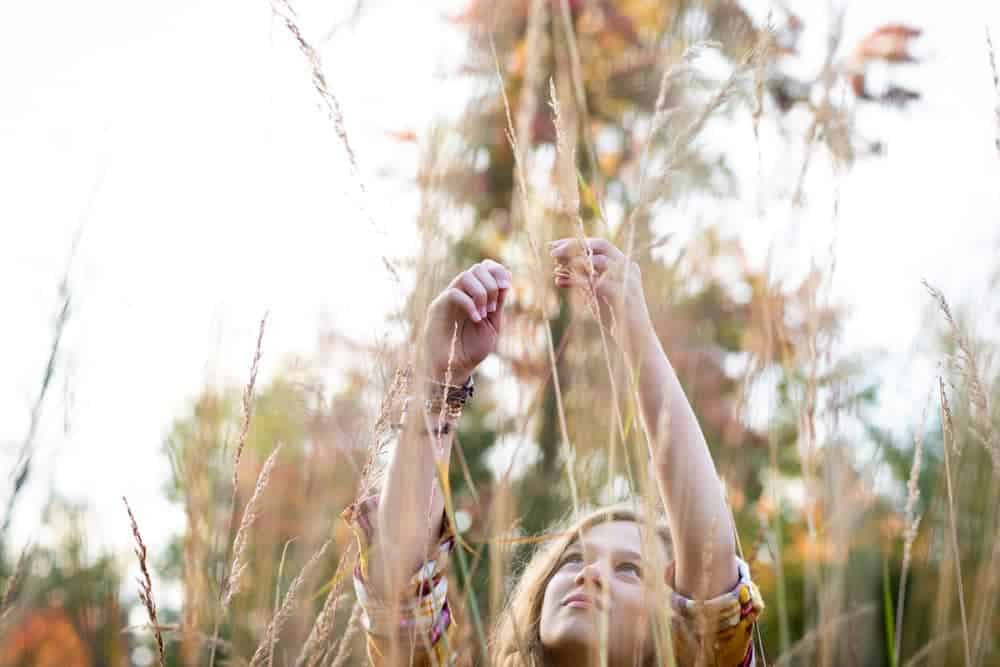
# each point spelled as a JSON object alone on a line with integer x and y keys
{"x": 579, "y": 631}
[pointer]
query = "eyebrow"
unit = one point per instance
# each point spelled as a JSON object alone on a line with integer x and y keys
{"x": 629, "y": 553}
{"x": 620, "y": 553}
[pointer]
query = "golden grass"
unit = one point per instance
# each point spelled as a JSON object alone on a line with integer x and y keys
{"x": 146, "y": 586}
{"x": 949, "y": 440}
{"x": 264, "y": 653}
{"x": 344, "y": 648}
{"x": 241, "y": 541}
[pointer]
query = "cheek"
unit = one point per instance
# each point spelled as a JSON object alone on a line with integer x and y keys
{"x": 633, "y": 601}
{"x": 554, "y": 591}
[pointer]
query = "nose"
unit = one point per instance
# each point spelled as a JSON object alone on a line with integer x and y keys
{"x": 590, "y": 574}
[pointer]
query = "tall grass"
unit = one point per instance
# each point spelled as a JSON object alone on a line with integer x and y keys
{"x": 813, "y": 560}
{"x": 853, "y": 533}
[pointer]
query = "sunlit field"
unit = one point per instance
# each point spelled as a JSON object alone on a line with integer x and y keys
{"x": 714, "y": 143}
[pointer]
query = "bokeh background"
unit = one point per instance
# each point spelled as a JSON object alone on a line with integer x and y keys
{"x": 172, "y": 173}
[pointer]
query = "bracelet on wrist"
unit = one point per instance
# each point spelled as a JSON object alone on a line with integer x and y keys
{"x": 443, "y": 405}
{"x": 450, "y": 395}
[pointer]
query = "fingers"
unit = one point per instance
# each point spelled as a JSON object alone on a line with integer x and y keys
{"x": 487, "y": 280}
{"x": 502, "y": 275}
{"x": 581, "y": 264}
{"x": 504, "y": 279}
{"x": 573, "y": 246}
{"x": 470, "y": 285}
{"x": 581, "y": 270}
{"x": 458, "y": 297}
{"x": 483, "y": 286}
{"x": 496, "y": 317}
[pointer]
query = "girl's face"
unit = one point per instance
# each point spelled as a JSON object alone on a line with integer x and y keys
{"x": 600, "y": 579}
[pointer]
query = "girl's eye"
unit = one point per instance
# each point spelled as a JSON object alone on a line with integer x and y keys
{"x": 571, "y": 558}
{"x": 631, "y": 567}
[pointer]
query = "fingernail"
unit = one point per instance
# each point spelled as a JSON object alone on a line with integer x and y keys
{"x": 504, "y": 284}
{"x": 492, "y": 307}
{"x": 482, "y": 312}
{"x": 476, "y": 317}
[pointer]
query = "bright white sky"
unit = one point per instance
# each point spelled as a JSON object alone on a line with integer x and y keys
{"x": 188, "y": 137}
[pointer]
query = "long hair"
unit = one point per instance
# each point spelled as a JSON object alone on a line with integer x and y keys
{"x": 516, "y": 638}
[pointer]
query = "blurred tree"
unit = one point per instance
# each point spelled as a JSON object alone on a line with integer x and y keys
{"x": 315, "y": 477}
{"x": 68, "y": 609}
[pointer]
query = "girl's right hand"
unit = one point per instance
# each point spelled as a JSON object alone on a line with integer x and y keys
{"x": 473, "y": 301}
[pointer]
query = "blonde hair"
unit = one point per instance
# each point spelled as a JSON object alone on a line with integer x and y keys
{"x": 516, "y": 638}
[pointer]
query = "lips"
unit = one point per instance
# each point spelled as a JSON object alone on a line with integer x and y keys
{"x": 581, "y": 600}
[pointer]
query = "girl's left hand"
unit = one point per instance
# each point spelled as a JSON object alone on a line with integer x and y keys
{"x": 603, "y": 271}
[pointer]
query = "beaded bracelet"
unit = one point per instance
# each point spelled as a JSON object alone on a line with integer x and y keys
{"x": 443, "y": 406}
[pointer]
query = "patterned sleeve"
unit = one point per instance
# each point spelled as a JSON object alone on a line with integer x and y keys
{"x": 727, "y": 622}
{"x": 421, "y": 631}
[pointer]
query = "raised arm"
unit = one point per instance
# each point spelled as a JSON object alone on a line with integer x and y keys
{"x": 469, "y": 312}
{"x": 692, "y": 493}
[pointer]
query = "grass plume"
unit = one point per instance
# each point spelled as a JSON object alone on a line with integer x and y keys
{"x": 146, "y": 586}
{"x": 250, "y": 514}
{"x": 281, "y": 616}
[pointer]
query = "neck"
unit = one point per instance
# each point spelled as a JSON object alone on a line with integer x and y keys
{"x": 576, "y": 655}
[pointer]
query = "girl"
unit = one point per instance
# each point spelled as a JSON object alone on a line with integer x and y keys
{"x": 601, "y": 591}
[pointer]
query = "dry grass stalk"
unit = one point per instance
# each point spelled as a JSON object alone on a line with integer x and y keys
{"x": 234, "y": 547}
{"x": 146, "y": 585}
{"x": 996, "y": 84}
{"x": 931, "y": 646}
{"x": 580, "y": 95}
{"x": 284, "y": 11}
{"x": 502, "y": 518}
{"x": 315, "y": 646}
{"x": 197, "y": 507}
{"x": 813, "y": 636}
{"x": 6, "y": 604}
{"x": 247, "y": 414}
{"x": 287, "y": 607}
{"x": 22, "y": 467}
{"x": 390, "y": 413}
{"x": 969, "y": 369}
{"x": 949, "y": 437}
{"x": 250, "y": 514}
{"x": 567, "y": 129}
{"x": 987, "y": 599}
{"x": 983, "y": 429}
{"x": 344, "y": 650}
{"x": 536, "y": 47}
{"x": 911, "y": 525}
{"x": 522, "y": 183}
{"x": 722, "y": 95}
{"x": 766, "y": 42}
{"x": 678, "y": 148}
{"x": 277, "y": 590}
{"x": 566, "y": 132}
{"x": 661, "y": 116}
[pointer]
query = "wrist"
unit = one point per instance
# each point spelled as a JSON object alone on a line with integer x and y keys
{"x": 453, "y": 377}
{"x": 447, "y": 400}
{"x": 443, "y": 369}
